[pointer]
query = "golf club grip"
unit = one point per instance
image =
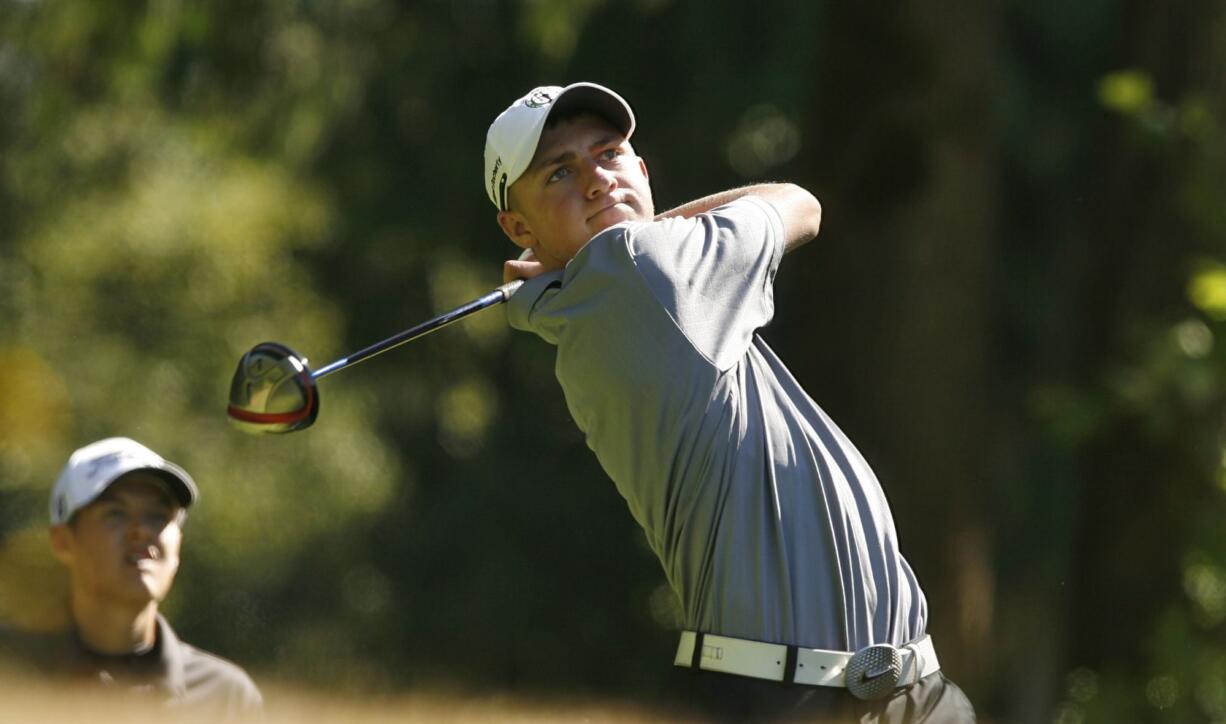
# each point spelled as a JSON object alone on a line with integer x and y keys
{"x": 497, "y": 296}
{"x": 508, "y": 290}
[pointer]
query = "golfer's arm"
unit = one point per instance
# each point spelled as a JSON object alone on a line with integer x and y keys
{"x": 800, "y": 210}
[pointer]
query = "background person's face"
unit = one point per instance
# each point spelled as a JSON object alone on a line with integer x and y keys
{"x": 123, "y": 548}
{"x": 583, "y": 179}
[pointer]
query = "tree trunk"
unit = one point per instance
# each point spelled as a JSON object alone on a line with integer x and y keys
{"x": 906, "y": 165}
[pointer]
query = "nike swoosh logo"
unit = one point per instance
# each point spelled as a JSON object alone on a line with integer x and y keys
{"x": 870, "y": 675}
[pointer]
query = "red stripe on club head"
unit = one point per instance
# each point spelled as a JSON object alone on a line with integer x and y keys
{"x": 267, "y": 418}
{"x": 279, "y": 418}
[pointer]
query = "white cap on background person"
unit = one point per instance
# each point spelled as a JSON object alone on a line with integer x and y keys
{"x": 92, "y": 469}
{"x": 511, "y": 140}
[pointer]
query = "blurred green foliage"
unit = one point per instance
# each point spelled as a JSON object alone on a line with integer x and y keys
{"x": 1016, "y": 310}
{"x": 1167, "y": 383}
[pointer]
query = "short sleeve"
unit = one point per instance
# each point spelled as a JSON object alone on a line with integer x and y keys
{"x": 714, "y": 274}
{"x": 523, "y": 304}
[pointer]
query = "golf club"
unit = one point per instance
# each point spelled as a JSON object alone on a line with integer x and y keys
{"x": 274, "y": 392}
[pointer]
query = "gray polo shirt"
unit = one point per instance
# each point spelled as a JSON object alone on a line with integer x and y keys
{"x": 769, "y": 523}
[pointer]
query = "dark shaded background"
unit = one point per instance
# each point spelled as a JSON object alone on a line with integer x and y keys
{"x": 1012, "y": 309}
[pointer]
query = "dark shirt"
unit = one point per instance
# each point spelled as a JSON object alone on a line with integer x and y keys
{"x": 176, "y": 674}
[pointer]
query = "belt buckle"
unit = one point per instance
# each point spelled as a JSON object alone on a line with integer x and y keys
{"x": 873, "y": 672}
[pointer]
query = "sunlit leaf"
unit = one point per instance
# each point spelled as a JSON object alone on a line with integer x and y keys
{"x": 1127, "y": 92}
{"x": 1207, "y": 290}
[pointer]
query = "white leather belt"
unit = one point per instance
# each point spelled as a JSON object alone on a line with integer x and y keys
{"x": 870, "y": 673}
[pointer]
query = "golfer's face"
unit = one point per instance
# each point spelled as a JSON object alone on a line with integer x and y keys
{"x": 124, "y": 546}
{"x": 583, "y": 179}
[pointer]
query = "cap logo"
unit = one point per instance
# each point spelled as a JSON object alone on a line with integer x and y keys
{"x": 494, "y": 174}
{"x": 105, "y": 461}
{"x": 61, "y": 506}
{"x": 539, "y": 99}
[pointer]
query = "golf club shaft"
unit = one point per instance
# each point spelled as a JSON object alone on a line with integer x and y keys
{"x": 498, "y": 296}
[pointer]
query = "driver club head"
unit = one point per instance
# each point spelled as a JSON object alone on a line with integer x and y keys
{"x": 273, "y": 391}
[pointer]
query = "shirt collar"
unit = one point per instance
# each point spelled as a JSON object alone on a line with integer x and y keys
{"x": 173, "y": 677}
{"x": 168, "y": 672}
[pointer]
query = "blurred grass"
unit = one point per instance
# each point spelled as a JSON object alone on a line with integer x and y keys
{"x": 31, "y": 700}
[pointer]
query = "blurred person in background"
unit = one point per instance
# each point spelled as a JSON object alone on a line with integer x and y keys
{"x": 117, "y": 516}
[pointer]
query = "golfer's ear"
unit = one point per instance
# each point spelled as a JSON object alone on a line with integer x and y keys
{"x": 516, "y": 228}
{"x": 61, "y": 542}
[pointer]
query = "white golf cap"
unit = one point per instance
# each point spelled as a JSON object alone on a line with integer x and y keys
{"x": 92, "y": 469}
{"x": 511, "y": 141}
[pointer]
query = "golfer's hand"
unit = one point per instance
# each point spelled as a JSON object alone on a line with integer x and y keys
{"x": 525, "y": 267}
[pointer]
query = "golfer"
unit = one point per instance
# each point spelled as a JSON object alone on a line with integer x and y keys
{"x": 771, "y": 527}
{"x": 117, "y": 515}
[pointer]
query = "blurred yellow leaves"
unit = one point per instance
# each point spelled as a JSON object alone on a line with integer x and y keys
{"x": 552, "y": 26}
{"x": 454, "y": 282}
{"x": 161, "y": 255}
{"x": 268, "y": 498}
{"x": 1126, "y": 92}
{"x": 1207, "y": 290}
{"x": 765, "y": 138}
{"x": 298, "y": 51}
{"x": 35, "y": 415}
{"x": 33, "y": 586}
{"x": 1193, "y": 338}
{"x": 1131, "y": 93}
{"x": 1205, "y": 584}
{"x": 465, "y": 412}
{"x": 1163, "y": 691}
{"x": 181, "y": 197}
